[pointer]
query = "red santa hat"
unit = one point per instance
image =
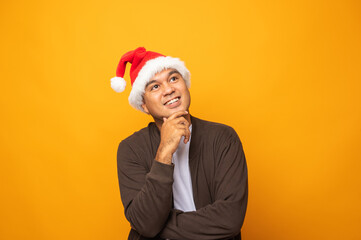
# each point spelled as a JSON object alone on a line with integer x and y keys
{"x": 145, "y": 64}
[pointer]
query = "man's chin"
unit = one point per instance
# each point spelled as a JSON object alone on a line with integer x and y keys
{"x": 172, "y": 111}
{"x": 169, "y": 112}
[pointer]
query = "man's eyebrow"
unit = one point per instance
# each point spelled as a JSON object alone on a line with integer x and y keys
{"x": 172, "y": 72}
{"x": 150, "y": 82}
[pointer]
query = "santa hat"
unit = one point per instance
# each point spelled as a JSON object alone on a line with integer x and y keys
{"x": 145, "y": 64}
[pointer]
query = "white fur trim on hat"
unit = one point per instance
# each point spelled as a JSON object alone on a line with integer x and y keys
{"x": 118, "y": 84}
{"x": 148, "y": 71}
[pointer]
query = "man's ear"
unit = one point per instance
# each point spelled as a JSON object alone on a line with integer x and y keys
{"x": 145, "y": 108}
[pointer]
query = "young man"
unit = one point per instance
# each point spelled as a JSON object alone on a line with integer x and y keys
{"x": 180, "y": 177}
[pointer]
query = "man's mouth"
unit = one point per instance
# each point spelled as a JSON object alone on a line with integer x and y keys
{"x": 172, "y": 101}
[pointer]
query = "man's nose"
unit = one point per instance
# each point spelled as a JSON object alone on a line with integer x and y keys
{"x": 168, "y": 89}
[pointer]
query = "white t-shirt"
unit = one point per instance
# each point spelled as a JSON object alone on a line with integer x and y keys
{"x": 182, "y": 185}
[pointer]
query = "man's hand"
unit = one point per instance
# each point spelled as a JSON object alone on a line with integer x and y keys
{"x": 173, "y": 128}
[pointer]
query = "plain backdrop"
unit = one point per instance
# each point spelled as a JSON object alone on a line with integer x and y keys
{"x": 284, "y": 74}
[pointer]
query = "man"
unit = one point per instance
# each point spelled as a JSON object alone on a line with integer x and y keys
{"x": 180, "y": 177}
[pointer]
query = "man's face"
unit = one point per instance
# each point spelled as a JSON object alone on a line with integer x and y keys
{"x": 165, "y": 94}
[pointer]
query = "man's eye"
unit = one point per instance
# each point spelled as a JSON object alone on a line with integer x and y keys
{"x": 172, "y": 79}
{"x": 155, "y": 87}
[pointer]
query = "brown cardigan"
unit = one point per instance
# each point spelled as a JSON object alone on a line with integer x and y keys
{"x": 219, "y": 180}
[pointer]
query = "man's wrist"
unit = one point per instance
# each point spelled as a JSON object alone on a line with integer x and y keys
{"x": 163, "y": 156}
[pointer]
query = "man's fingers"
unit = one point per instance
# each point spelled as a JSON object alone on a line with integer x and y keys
{"x": 187, "y": 135}
{"x": 178, "y": 124}
{"x": 181, "y": 120}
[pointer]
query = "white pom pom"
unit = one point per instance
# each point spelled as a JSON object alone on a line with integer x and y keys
{"x": 118, "y": 84}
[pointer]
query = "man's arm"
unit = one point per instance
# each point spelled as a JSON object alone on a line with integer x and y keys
{"x": 147, "y": 197}
{"x": 223, "y": 218}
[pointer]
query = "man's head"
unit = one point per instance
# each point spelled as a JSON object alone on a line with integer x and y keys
{"x": 165, "y": 94}
{"x": 146, "y": 67}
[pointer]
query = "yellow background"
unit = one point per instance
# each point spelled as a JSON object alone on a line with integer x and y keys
{"x": 285, "y": 74}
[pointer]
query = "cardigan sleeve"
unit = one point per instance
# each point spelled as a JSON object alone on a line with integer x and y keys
{"x": 224, "y": 217}
{"x": 146, "y": 196}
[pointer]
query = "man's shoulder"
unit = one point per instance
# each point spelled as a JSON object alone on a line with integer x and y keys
{"x": 210, "y": 124}
{"x": 140, "y": 135}
{"x": 210, "y": 128}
